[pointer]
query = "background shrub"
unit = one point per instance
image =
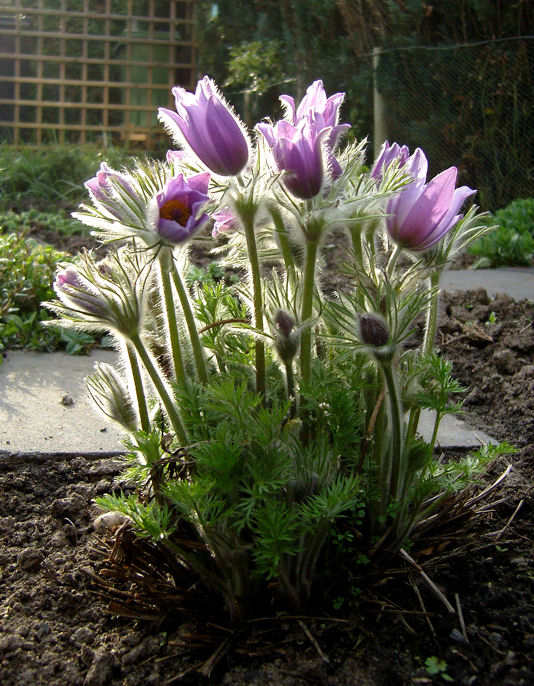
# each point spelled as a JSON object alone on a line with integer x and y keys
{"x": 512, "y": 242}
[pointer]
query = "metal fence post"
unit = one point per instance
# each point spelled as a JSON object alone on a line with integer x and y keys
{"x": 379, "y": 117}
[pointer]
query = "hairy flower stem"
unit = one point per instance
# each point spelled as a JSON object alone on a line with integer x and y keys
{"x": 428, "y": 342}
{"x": 356, "y": 237}
{"x": 398, "y": 457}
{"x": 196, "y": 345}
{"x": 157, "y": 379}
{"x": 139, "y": 390}
{"x": 432, "y": 315}
{"x": 246, "y": 213}
{"x": 165, "y": 264}
{"x": 285, "y": 248}
{"x": 306, "y": 311}
{"x": 290, "y": 387}
{"x": 394, "y": 258}
{"x": 384, "y": 470}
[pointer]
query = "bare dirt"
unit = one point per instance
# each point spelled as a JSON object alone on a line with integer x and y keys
{"x": 56, "y": 626}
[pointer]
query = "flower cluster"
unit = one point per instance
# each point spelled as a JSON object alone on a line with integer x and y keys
{"x": 291, "y": 407}
{"x": 303, "y": 144}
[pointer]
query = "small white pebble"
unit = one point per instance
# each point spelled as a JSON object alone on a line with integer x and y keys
{"x": 109, "y": 521}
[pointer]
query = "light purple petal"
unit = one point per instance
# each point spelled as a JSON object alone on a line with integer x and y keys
{"x": 451, "y": 217}
{"x": 331, "y": 110}
{"x": 172, "y": 231}
{"x": 288, "y": 103}
{"x": 431, "y": 206}
{"x": 401, "y": 204}
{"x": 199, "y": 182}
{"x": 224, "y": 221}
{"x": 301, "y": 160}
{"x": 227, "y": 139}
{"x": 336, "y": 133}
{"x": 179, "y": 205}
{"x": 334, "y": 168}
{"x": 420, "y": 215}
{"x": 267, "y": 131}
{"x": 315, "y": 99}
{"x": 177, "y": 155}
{"x": 389, "y": 154}
{"x": 209, "y": 128}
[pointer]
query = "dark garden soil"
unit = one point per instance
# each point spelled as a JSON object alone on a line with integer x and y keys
{"x": 56, "y": 626}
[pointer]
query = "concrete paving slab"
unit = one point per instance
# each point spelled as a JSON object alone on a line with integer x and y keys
{"x": 36, "y": 412}
{"x": 453, "y": 433}
{"x": 517, "y": 282}
{"x": 35, "y": 420}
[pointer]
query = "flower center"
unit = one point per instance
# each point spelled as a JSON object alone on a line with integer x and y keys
{"x": 175, "y": 210}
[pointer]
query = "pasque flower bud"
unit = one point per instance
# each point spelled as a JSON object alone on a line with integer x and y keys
{"x": 109, "y": 394}
{"x": 286, "y": 336}
{"x": 373, "y": 330}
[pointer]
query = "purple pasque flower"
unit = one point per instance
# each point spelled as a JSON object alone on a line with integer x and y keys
{"x": 114, "y": 195}
{"x": 315, "y": 105}
{"x": 303, "y": 143}
{"x": 106, "y": 181}
{"x": 298, "y": 154}
{"x": 387, "y": 156}
{"x": 322, "y": 112}
{"x": 179, "y": 207}
{"x": 78, "y": 294}
{"x": 206, "y": 124}
{"x": 102, "y": 296}
{"x": 422, "y": 213}
{"x": 225, "y": 221}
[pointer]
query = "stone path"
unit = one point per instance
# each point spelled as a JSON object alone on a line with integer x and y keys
{"x": 517, "y": 282}
{"x": 43, "y": 408}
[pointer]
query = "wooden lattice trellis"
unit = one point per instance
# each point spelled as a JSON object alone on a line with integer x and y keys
{"x": 90, "y": 70}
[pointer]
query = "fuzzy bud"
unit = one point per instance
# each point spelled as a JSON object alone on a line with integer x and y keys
{"x": 373, "y": 330}
{"x": 109, "y": 394}
{"x": 287, "y": 338}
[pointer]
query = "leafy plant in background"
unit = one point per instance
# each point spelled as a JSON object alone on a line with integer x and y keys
{"x": 38, "y": 177}
{"x": 512, "y": 242}
{"x": 210, "y": 274}
{"x": 56, "y": 222}
{"x": 47, "y": 175}
{"x": 255, "y": 69}
{"x": 270, "y": 43}
{"x": 26, "y": 270}
{"x": 261, "y": 414}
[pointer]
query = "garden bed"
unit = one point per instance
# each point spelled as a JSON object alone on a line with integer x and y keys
{"x": 56, "y": 627}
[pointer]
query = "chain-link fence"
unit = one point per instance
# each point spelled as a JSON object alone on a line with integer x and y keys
{"x": 467, "y": 105}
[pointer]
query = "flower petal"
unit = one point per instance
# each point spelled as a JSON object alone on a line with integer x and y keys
{"x": 451, "y": 217}
{"x": 431, "y": 206}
